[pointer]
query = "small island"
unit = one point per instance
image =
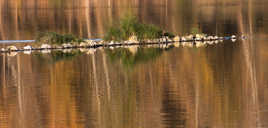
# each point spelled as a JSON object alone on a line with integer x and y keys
{"x": 128, "y": 32}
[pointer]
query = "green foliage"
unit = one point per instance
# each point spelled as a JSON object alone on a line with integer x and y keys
{"x": 168, "y": 34}
{"x": 113, "y": 34}
{"x": 130, "y": 26}
{"x": 55, "y": 38}
{"x": 195, "y": 31}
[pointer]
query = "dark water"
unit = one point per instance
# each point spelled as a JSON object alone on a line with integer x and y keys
{"x": 219, "y": 86}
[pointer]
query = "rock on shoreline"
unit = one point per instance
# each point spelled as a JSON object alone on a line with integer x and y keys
{"x": 198, "y": 40}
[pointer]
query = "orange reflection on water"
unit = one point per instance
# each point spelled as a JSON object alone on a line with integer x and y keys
{"x": 216, "y": 86}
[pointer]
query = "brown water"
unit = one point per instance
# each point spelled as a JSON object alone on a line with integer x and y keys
{"x": 219, "y": 86}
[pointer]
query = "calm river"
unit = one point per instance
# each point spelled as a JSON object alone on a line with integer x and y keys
{"x": 218, "y": 86}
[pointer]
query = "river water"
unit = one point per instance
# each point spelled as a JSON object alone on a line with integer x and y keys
{"x": 218, "y": 86}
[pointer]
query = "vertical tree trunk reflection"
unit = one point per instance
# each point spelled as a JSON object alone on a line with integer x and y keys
{"x": 106, "y": 71}
{"x": 249, "y": 51}
{"x": 96, "y": 84}
{"x": 20, "y": 93}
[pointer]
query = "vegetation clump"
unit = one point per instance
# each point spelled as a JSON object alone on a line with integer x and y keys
{"x": 195, "y": 31}
{"x": 55, "y": 38}
{"x": 130, "y": 26}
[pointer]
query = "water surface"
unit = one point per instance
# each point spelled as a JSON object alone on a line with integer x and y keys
{"x": 220, "y": 85}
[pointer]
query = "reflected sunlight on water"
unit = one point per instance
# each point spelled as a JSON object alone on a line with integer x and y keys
{"x": 220, "y": 85}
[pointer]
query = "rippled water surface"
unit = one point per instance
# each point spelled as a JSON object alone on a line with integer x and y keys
{"x": 218, "y": 86}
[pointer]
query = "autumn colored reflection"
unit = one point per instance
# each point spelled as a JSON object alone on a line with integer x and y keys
{"x": 222, "y": 85}
{"x": 183, "y": 87}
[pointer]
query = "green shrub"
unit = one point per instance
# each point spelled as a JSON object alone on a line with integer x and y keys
{"x": 195, "y": 31}
{"x": 55, "y": 38}
{"x": 130, "y": 26}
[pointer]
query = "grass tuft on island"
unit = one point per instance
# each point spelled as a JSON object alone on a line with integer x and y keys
{"x": 130, "y": 26}
{"x": 56, "y": 38}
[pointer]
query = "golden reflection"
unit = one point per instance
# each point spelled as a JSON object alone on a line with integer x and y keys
{"x": 182, "y": 87}
{"x": 214, "y": 86}
{"x": 249, "y": 53}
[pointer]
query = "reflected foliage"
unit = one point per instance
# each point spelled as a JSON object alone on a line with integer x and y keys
{"x": 130, "y": 59}
{"x": 56, "y": 56}
{"x": 223, "y": 86}
{"x": 59, "y": 55}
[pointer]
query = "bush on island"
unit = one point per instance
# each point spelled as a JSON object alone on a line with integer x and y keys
{"x": 55, "y": 38}
{"x": 130, "y": 26}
